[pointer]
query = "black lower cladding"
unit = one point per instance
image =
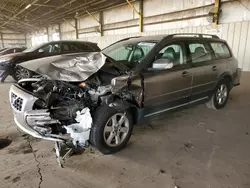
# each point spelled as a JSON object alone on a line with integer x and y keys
{"x": 148, "y": 114}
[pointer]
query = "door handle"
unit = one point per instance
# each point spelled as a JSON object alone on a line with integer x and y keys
{"x": 185, "y": 74}
{"x": 215, "y": 68}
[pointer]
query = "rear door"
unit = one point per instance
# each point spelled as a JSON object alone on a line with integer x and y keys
{"x": 204, "y": 69}
{"x": 222, "y": 57}
{"x": 171, "y": 87}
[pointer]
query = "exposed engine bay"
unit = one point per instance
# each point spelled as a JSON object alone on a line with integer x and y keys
{"x": 62, "y": 105}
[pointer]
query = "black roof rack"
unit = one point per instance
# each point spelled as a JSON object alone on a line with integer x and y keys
{"x": 199, "y": 35}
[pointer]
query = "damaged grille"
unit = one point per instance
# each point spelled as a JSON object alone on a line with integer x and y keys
{"x": 16, "y": 102}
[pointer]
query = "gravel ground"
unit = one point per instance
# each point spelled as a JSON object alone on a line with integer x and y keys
{"x": 192, "y": 148}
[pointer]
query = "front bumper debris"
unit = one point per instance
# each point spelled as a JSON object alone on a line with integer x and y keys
{"x": 35, "y": 122}
{"x": 29, "y": 120}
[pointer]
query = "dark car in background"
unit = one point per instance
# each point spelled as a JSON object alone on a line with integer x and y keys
{"x": 8, "y": 63}
{"x": 11, "y": 50}
{"x": 2, "y": 49}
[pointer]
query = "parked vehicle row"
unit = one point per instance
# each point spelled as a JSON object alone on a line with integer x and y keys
{"x": 5, "y": 51}
{"x": 8, "y": 63}
{"x": 96, "y": 97}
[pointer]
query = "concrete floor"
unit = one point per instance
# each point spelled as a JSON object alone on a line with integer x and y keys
{"x": 191, "y": 148}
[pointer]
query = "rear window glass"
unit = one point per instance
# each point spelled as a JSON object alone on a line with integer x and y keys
{"x": 220, "y": 50}
{"x": 86, "y": 48}
{"x": 200, "y": 52}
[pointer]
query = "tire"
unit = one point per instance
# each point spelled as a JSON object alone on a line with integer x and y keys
{"x": 21, "y": 73}
{"x": 220, "y": 96}
{"x": 104, "y": 135}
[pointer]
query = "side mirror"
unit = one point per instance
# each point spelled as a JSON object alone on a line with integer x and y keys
{"x": 40, "y": 51}
{"x": 162, "y": 64}
{"x": 118, "y": 83}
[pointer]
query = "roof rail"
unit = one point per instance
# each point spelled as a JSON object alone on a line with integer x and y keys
{"x": 199, "y": 35}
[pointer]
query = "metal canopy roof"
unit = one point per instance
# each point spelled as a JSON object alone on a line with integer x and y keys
{"x": 30, "y": 15}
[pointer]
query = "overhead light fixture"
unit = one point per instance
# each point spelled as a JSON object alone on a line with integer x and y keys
{"x": 28, "y": 6}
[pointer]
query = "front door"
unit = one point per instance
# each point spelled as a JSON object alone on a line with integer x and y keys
{"x": 169, "y": 87}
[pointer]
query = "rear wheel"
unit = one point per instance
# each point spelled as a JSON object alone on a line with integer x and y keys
{"x": 21, "y": 73}
{"x": 111, "y": 130}
{"x": 220, "y": 95}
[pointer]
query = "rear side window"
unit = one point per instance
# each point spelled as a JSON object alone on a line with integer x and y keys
{"x": 173, "y": 53}
{"x": 85, "y": 48}
{"x": 220, "y": 50}
{"x": 200, "y": 52}
{"x": 66, "y": 47}
{"x": 93, "y": 47}
{"x": 74, "y": 47}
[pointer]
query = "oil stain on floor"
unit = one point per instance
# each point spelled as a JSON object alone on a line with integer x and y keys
{"x": 4, "y": 143}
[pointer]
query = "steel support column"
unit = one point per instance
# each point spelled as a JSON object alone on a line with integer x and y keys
{"x": 140, "y": 13}
{"x": 141, "y": 16}
{"x": 47, "y": 33}
{"x": 101, "y": 22}
{"x": 76, "y": 28}
{"x": 59, "y": 31}
{"x": 2, "y": 40}
{"x": 217, "y": 6}
{"x": 25, "y": 37}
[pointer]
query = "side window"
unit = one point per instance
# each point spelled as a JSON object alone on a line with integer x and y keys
{"x": 66, "y": 47}
{"x": 46, "y": 49}
{"x": 200, "y": 52}
{"x": 75, "y": 47}
{"x": 171, "y": 56}
{"x": 146, "y": 46}
{"x": 85, "y": 48}
{"x": 52, "y": 48}
{"x": 17, "y": 50}
{"x": 220, "y": 50}
{"x": 55, "y": 48}
{"x": 122, "y": 53}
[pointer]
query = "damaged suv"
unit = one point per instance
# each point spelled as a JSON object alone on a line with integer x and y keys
{"x": 96, "y": 98}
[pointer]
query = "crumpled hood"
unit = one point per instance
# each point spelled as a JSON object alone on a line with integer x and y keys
{"x": 72, "y": 67}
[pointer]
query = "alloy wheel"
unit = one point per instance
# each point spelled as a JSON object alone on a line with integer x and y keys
{"x": 22, "y": 73}
{"x": 221, "y": 94}
{"x": 116, "y": 130}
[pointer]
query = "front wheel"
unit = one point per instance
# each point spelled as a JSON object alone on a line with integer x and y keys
{"x": 21, "y": 73}
{"x": 220, "y": 95}
{"x": 111, "y": 129}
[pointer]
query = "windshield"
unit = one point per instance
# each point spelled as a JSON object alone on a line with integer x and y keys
{"x": 129, "y": 52}
{"x": 34, "y": 48}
